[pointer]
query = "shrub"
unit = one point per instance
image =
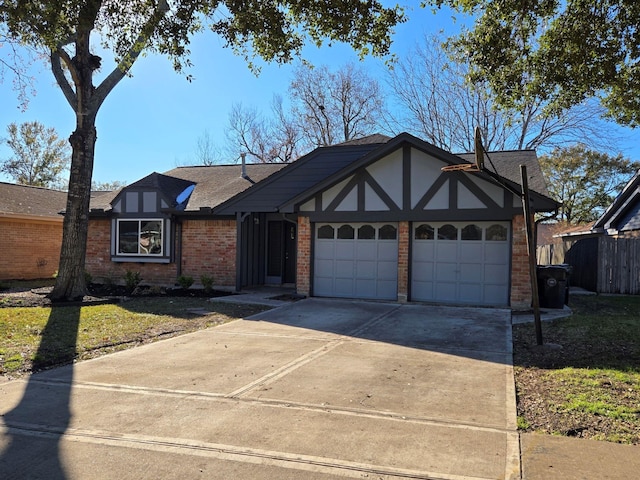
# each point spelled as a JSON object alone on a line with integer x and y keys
{"x": 185, "y": 281}
{"x": 207, "y": 282}
{"x": 88, "y": 279}
{"x": 132, "y": 280}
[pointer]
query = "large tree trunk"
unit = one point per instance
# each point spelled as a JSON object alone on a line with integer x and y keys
{"x": 70, "y": 283}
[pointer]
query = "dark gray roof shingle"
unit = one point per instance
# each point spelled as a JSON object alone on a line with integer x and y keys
{"x": 218, "y": 183}
{"x": 298, "y": 177}
{"x": 507, "y": 164}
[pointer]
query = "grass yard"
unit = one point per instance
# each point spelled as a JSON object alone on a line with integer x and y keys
{"x": 37, "y": 338}
{"x": 589, "y": 388}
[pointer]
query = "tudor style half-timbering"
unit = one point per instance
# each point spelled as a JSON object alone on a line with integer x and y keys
{"x": 387, "y": 223}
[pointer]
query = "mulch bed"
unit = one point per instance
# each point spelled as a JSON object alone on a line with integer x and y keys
{"x": 97, "y": 295}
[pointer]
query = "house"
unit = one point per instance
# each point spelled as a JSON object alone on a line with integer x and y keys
{"x": 605, "y": 255}
{"x": 374, "y": 218}
{"x": 30, "y": 231}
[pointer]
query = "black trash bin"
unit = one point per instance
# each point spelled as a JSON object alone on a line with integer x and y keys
{"x": 553, "y": 285}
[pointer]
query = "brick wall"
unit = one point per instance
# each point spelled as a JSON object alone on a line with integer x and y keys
{"x": 208, "y": 248}
{"x": 99, "y": 265}
{"x": 520, "y": 279}
{"x": 303, "y": 263}
{"x": 30, "y": 248}
{"x": 403, "y": 261}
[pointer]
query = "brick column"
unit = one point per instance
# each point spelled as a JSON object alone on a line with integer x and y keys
{"x": 303, "y": 260}
{"x": 403, "y": 261}
{"x": 520, "y": 281}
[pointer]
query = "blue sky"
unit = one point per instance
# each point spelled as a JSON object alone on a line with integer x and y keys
{"x": 152, "y": 121}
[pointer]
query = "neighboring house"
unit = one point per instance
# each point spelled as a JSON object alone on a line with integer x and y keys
{"x": 374, "y": 218}
{"x": 30, "y": 231}
{"x": 605, "y": 256}
{"x": 622, "y": 218}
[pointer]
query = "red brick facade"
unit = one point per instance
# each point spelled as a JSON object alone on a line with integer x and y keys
{"x": 30, "y": 248}
{"x": 520, "y": 278}
{"x": 303, "y": 265}
{"x": 403, "y": 261}
{"x": 208, "y": 248}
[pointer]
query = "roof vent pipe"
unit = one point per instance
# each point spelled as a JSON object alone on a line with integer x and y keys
{"x": 244, "y": 165}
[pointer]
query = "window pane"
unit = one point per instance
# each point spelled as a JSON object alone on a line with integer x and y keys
{"x": 424, "y": 232}
{"x": 345, "y": 232}
{"x": 496, "y": 233}
{"x": 472, "y": 232}
{"x": 447, "y": 232}
{"x": 366, "y": 232}
{"x": 388, "y": 232}
{"x": 128, "y": 237}
{"x": 325, "y": 231}
{"x": 151, "y": 238}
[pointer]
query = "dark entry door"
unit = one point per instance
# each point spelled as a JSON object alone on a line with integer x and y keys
{"x": 281, "y": 252}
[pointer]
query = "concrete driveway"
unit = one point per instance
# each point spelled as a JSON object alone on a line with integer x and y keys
{"x": 317, "y": 389}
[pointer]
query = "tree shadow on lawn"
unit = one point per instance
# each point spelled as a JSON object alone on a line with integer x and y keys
{"x": 36, "y": 424}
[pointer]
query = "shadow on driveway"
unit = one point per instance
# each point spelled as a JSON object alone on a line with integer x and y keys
{"x": 57, "y": 347}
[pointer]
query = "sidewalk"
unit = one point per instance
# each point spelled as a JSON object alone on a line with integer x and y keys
{"x": 547, "y": 457}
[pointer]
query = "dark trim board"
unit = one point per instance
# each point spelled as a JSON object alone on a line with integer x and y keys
{"x": 482, "y": 214}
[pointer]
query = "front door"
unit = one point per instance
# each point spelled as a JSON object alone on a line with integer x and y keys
{"x": 281, "y": 252}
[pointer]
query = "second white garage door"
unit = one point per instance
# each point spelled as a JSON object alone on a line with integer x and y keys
{"x": 356, "y": 260}
{"x": 461, "y": 262}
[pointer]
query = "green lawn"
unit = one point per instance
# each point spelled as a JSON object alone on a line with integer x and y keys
{"x": 591, "y": 386}
{"x": 36, "y": 338}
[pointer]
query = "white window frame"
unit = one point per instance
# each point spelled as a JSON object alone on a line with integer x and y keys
{"x": 139, "y": 253}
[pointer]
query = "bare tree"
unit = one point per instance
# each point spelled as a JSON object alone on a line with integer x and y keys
{"x": 438, "y": 104}
{"x": 276, "y": 139}
{"x": 207, "y": 153}
{"x": 333, "y": 107}
{"x": 15, "y": 60}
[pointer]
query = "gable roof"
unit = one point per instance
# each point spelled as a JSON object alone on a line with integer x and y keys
{"x": 299, "y": 176}
{"x": 624, "y": 213}
{"x": 326, "y": 165}
{"x": 26, "y": 201}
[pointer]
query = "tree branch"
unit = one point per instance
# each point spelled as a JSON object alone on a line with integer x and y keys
{"x": 57, "y": 57}
{"x": 129, "y": 59}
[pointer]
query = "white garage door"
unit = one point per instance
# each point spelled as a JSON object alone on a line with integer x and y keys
{"x": 356, "y": 260}
{"x": 464, "y": 262}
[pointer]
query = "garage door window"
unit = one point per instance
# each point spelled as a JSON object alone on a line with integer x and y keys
{"x": 424, "y": 232}
{"x": 366, "y": 232}
{"x": 496, "y": 233}
{"x": 472, "y": 232}
{"x": 345, "y": 232}
{"x": 388, "y": 232}
{"x": 447, "y": 232}
{"x": 326, "y": 231}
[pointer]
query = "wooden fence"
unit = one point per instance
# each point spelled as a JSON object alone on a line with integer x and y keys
{"x": 600, "y": 264}
{"x": 618, "y": 265}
